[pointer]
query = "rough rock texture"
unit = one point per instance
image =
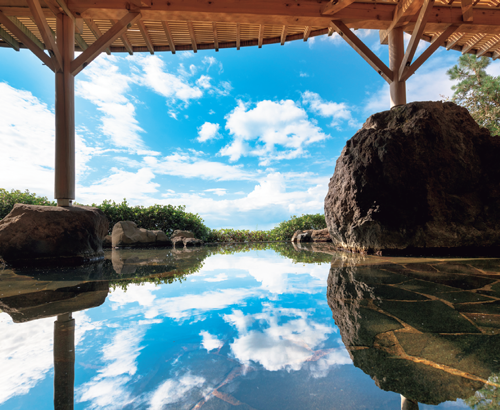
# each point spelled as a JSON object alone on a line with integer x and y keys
{"x": 178, "y": 242}
{"x": 192, "y": 242}
{"x": 32, "y": 234}
{"x": 182, "y": 234}
{"x": 126, "y": 233}
{"x": 418, "y": 329}
{"x": 422, "y": 175}
{"x": 107, "y": 241}
{"x": 311, "y": 235}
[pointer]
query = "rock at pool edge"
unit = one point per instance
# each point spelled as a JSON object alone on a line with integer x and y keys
{"x": 32, "y": 234}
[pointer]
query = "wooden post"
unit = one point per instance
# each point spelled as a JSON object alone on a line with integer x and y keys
{"x": 64, "y": 362}
{"x": 65, "y": 114}
{"x": 396, "y": 54}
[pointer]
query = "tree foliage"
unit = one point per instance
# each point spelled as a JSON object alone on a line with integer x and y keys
{"x": 477, "y": 91}
{"x": 9, "y": 199}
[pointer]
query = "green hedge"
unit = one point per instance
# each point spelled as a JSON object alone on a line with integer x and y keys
{"x": 169, "y": 218}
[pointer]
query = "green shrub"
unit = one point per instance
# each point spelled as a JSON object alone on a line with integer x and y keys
{"x": 285, "y": 230}
{"x": 156, "y": 217}
{"x": 8, "y": 199}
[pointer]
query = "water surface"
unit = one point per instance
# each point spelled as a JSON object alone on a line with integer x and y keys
{"x": 252, "y": 328}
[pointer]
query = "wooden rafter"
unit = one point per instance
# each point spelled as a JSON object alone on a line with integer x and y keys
{"x": 81, "y": 42}
{"x": 402, "y": 15}
{"x": 11, "y": 41}
{"x": 192, "y": 36}
{"x": 330, "y": 31}
{"x": 26, "y": 31}
{"x": 216, "y": 39}
{"x": 307, "y": 32}
{"x": 261, "y": 35}
{"x": 45, "y": 31}
{"x": 418, "y": 31}
{"x": 495, "y": 55}
{"x": 472, "y": 42}
{"x": 440, "y": 40}
{"x": 125, "y": 40}
{"x": 363, "y": 50}
{"x": 454, "y": 40}
{"x": 96, "y": 31}
{"x": 284, "y": 31}
{"x": 102, "y": 42}
{"x": 27, "y": 41}
{"x": 490, "y": 45}
{"x": 238, "y": 36}
{"x": 62, "y": 7}
{"x": 333, "y": 7}
{"x": 168, "y": 33}
{"x": 145, "y": 36}
{"x": 467, "y": 11}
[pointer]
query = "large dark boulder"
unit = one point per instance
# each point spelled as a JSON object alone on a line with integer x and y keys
{"x": 32, "y": 234}
{"x": 422, "y": 176}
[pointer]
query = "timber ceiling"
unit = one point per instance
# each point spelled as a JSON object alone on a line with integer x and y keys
{"x": 174, "y": 25}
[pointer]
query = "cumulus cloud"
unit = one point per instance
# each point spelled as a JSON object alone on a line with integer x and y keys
{"x": 210, "y": 342}
{"x": 174, "y": 390}
{"x": 217, "y": 191}
{"x": 27, "y": 132}
{"x": 338, "y": 112}
{"x": 106, "y": 87}
{"x": 208, "y": 131}
{"x": 270, "y": 125}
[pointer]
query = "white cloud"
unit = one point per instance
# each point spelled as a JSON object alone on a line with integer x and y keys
{"x": 208, "y": 131}
{"x": 303, "y": 74}
{"x": 174, "y": 390}
{"x": 27, "y": 135}
{"x": 217, "y": 191}
{"x": 106, "y": 88}
{"x": 221, "y": 277}
{"x": 171, "y": 86}
{"x": 270, "y": 124}
{"x": 204, "y": 82}
{"x": 338, "y": 112}
{"x": 287, "y": 341}
{"x": 210, "y": 342}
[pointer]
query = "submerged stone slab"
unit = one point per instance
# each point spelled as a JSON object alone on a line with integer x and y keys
{"x": 32, "y": 234}
{"x": 422, "y": 177}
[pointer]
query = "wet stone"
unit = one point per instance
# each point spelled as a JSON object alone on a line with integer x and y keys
{"x": 462, "y": 297}
{"x": 378, "y": 275}
{"x": 372, "y": 323}
{"x": 464, "y": 282}
{"x": 394, "y": 293}
{"x": 491, "y": 308}
{"x": 432, "y": 316}
{"x": 429, "y": 288}
{"x": 484, "y": 320}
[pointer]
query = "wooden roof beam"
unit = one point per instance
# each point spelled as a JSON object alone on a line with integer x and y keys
{"x": 496, "y": 55}
{"x": 472, "y": 42}
{"x": 307, "y": 32}
{"x": 216, "y": 39}
{"x": 96, "y": 31}
{"x": 60, "y": 6}
{"x": 27, "y": 41}
{"x": 440, "y": 40}
{"x": 238, "y": 36}
{"x": 192, "y": 36}
{"x": 418, "y": 31}
{"x": 453, "y": 40}
{"x": 403, "y": 13}
{"x": 48, "y": 39}
{"x": 81, "y": 42}
{"x": 284, "y": 31}
{"x": 145, "y": 36}
{"x": 334, "y": 6}
{"x": 363, "y": 50}
{"x": 125, "y": 40}
{"x": 11, "y": 41}
{"x": 488, "y": 46}
{"x": 168, "y": 33}
{"x": 102, "y": 42}
{"x": 467, "y": 11}
{"x": 261, "y": 35}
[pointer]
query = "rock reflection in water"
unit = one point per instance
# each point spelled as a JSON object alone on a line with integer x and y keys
{"x": 427, "y": 329}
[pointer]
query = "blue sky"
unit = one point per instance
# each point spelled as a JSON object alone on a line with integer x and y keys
{"x": 244, "y": 138}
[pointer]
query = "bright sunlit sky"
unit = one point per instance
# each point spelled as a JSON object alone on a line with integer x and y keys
{"x": 244, "y": 138}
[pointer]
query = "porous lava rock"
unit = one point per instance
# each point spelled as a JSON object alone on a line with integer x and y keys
{"x": 33, "y": 234}
{"x": 181, "y": 234}
{"x": 126, "y": 233}
{"x": 421, "y": 177}
{"x": 311, "y": 235}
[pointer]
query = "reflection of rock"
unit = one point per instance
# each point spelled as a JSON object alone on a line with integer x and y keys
{"x": 415, "y": 327}
{"x": 32, "y": 234}
{"x": 47, "y": 303}
{"x": 126, "y": 233}
{"x": 423, "y": 175}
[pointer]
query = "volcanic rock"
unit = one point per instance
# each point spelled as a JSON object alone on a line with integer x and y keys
{"x": 422, "y": 176}
{"x": 126, "y": 233}
{"x": 32, "y": 234}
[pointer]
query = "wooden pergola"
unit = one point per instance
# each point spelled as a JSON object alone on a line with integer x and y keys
{"x": 54, "y": 29}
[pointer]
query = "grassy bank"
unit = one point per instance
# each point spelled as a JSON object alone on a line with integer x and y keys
{"x": 169, "y": 218}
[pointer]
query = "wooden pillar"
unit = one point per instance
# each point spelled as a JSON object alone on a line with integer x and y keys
{"x": 396, "y": 54}
{"x": 65, "y": 114}
{"x": 64, "y": 362}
